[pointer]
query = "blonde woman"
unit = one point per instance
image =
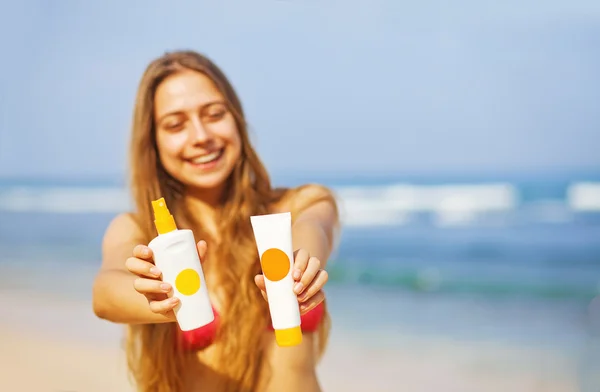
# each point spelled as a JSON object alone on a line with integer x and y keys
{"x": 190, "y": 145}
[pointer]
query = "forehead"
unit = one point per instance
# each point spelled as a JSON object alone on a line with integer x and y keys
{"x": 184, "y": 91}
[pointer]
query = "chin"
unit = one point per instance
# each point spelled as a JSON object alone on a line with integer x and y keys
{"x": 207, "y": 181}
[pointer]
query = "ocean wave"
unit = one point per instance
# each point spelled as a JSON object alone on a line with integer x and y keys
{"x": 449, "y": 205}
{"x": 432, "y": 280}
{"x": 584, "y": 196}
{"x": 446, "y": 205}
{"x": 64, "y": 199}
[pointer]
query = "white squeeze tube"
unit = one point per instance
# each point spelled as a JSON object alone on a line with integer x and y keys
{"x": 176, "y": 255}
{"x": 273, "y": 235}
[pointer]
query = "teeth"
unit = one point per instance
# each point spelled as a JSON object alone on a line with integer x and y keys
{"x": 207, "y": 158}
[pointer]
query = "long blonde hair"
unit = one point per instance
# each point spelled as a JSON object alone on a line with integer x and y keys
{"x": 155, "y": 360}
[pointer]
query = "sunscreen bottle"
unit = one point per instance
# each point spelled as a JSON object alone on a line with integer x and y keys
{"x": 176, "y": 255}
{"x": 273, "y": 236}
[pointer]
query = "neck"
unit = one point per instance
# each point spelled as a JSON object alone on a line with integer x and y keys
{"x": 204, "y": 198}
{"x": 204, "y": 205}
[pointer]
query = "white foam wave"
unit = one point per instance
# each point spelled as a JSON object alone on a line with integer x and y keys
{"x": 64, "y": 200}
{"x": 392, "y": 205}
{"x": 584, "y": 196}
{"x": 450, "y": 204}
{"x": 361, "y": 206}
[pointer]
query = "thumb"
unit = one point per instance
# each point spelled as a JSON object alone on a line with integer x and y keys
{"x": 202, "y": 247}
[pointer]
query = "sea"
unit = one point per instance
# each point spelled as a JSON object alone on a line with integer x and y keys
{"x": 511, "y": 258}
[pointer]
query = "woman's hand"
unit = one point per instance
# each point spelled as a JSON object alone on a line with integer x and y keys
{"x": 149, "y": 279}
{"x": 309, "y": 278}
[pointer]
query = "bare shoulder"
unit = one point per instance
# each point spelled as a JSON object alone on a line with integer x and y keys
{"x": 306, "y": 196}
{"x": 121, "y": 235}
{"x": 122, "y": 226}
{"x": 312, "y": 205}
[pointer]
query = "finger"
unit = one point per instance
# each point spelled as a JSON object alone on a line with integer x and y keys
{"x": 202, "y": 247}
{"x": 260, "y": 282}
{"x": 142, "y": 252}
{"x": 315, "y": 286}
{"x": 312, "y": 303}
{"x": 301, "y": 258}
{"x": 314, "y": 265}
{"x": 142, "y": 268}
{"x": 163, "y": 306}
{"x": 145, "y": 286}
{"x": 156, "y": 296}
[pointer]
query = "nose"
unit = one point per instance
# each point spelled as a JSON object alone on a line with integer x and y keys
{"x": 198, "y": 132}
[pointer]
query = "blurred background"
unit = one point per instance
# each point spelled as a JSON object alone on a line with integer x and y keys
{"x": 461, "y": 138}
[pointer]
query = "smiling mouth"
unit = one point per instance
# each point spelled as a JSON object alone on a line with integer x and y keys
{"x": 207, "y": 158}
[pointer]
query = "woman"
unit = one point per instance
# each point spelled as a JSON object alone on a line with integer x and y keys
{"x": 190, "y": 145}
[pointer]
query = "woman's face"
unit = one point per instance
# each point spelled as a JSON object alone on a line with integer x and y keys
{"x": 196, "y": 134}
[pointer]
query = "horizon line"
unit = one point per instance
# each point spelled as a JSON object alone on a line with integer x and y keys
{"x": 337, "y": 175}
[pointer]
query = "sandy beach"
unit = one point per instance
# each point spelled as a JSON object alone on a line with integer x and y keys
{"x": 56, "y": 344}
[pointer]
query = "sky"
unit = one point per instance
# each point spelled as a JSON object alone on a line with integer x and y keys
{"x": 328, "y": 86}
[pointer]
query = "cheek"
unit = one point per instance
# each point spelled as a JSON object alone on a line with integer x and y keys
{"x": 228, "y": 131}
{"x": 236, "y": 142}
{"x": 170, "y": 146}
{"x": 235, "y": 145}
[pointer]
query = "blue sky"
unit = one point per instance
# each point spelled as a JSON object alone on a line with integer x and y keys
{"x": 345, "y": 86}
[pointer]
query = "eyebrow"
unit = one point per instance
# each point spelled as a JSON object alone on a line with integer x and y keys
{"x": 178, "y": 112}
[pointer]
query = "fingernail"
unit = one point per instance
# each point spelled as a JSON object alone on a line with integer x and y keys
{"x": 297, "y": 274}
{"x": 165, "y": 287}
{"x": 155, "y": 271}
{"x": 298, "y": 288}
{"x": 302, "y": 297}
{"x": 145, "y": 252}
{"x": 174, "y": 300}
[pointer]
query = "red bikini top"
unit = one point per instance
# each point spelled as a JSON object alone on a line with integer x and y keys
{"x": 202, "y": 337}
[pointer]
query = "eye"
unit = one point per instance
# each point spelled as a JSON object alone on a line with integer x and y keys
{"x": 214, "y": 112}
{"x": 173, "y": 124}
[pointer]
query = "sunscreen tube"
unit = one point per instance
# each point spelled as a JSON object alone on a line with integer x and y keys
{"x": 273, "y": 235}
{"x": 176, "y": 255}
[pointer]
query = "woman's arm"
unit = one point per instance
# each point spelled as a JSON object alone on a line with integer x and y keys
{"x": 114, "y": 296}
{"x": 315, "y": 227}
{"x": 314, "y": 230}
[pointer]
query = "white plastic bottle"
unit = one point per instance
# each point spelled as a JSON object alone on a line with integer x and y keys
{"x": 273, "y": 235}
{"x": 176, "y": 255}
